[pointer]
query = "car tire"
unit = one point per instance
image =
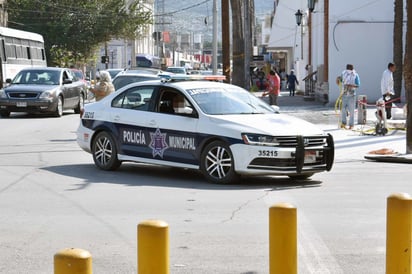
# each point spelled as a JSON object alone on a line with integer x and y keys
{"x": 301, "y": 176}
{"x": 5, "y": 114}
{"x": 58, "y": 112}
{"x": 217, "y": 163}
{"x": 80, "y": 105}
{"x": 105, "y": 152}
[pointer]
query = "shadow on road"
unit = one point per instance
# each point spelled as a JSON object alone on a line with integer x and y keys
{"x": 132, "y": 174}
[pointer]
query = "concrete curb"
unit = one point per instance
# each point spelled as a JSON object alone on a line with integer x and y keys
{"x": 397, "y": 158}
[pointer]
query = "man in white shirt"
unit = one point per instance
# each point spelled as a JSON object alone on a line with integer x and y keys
{"x": 387, "y": 88}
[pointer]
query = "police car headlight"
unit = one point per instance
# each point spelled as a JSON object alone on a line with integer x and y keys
{"x": 3, "y": 94}
{"x": 259, "y": 139}
{"x": 48, "y": 94}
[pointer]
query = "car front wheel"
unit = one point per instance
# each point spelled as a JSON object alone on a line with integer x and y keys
{"x": 58, "y": 112}
{"x": 217, "y": 163}
{"x": 80, "y": 105}
{"x": 105, "y": 152}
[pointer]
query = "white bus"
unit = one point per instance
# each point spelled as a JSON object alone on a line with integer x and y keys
{"x": 19, "y": 49}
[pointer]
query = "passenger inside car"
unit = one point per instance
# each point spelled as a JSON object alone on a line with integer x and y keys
{"x": 178, "y": 103}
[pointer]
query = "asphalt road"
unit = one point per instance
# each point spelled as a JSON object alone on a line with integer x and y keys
{"x": 52, "y": 197}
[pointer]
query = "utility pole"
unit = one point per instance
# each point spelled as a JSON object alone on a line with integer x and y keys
{"x": 214, "y": 51}
{"x": 248, "y": 40}
{"x": 226, "y": 40}
{"x": 326, "y": 42}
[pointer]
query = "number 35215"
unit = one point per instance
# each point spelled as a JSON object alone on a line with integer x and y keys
{"x": 268, "y": 153}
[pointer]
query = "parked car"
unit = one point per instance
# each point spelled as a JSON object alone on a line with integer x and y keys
{"x": 42, "y": 90}
{"x": 114, "y": 72}
{"x": 177, "y": 70}
{"x": 123, "y": 79}
{"x": 144, "y": 70}
{"x": 220, "y": 129}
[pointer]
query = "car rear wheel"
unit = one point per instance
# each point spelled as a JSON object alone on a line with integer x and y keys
{"x": 59, "y": 108}
{"x": 105, "y": 152}
{"x": 80, "y": 105}
{"x": 217, "y": 163}
{"x": 5, "y": 113}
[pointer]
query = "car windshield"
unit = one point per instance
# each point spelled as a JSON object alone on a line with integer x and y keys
{"x": 37, "y": 77}
{"x": 228, "y": 100}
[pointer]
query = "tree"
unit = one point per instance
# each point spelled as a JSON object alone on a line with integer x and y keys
{"x": 408, "y": 77}
{"x": 398, "y": 47}
{"x": 77, "y": 27}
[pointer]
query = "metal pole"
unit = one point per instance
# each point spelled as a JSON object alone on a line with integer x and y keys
{"x": 73, "y": 260}
{"x": 283, "y": 254}
{"x": 398, "y": 234}
{"x": 153, "y": 247}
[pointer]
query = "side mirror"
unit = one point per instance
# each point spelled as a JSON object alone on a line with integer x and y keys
{"x": 187, "y": 110}
{"x": 67, "y": 81}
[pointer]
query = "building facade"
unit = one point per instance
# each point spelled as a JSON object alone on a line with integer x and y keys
{"x": 336, "y": 33}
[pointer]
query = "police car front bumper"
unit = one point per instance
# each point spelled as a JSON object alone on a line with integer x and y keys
{"x": 273, "y": 160}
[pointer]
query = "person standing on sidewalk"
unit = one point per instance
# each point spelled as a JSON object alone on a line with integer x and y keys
{"x": 291, "y": 81}
{"x": 350, "y": 82}
{"x": 387, "y": 88}
{"x": 273, "y": 88}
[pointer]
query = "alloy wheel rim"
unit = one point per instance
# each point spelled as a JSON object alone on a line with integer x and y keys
{"x": 104, "y": 151}
{"x": 218, "y": 162}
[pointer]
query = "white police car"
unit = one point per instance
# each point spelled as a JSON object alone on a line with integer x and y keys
{"x": 221, "y": 129}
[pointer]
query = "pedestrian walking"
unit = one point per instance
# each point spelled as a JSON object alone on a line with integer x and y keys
{"x": 350, "y": 82}
{"x": 273, "y": 89}
{"x": 104, "y": 87}
{"x": 261, "y": 78}
{"x": 291, "y": 81}
{"x": 387, "y": 89}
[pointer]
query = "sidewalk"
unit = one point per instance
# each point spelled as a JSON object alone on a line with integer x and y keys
{"x": 327, "y": 117}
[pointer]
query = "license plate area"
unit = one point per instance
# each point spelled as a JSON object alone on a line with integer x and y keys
{"x": 21, "y": 104}
{"x": 310, "y": 156}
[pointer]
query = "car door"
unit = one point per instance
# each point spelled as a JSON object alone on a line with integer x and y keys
{"x": 69, "y": 89}
{"x": 129, "y": 114}
{"x": 173, "y": 129}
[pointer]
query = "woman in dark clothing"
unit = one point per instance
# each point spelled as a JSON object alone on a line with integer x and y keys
{"x": 291, "y": 81}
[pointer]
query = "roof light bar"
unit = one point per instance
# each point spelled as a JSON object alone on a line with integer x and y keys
{"x": 196, "y": 77}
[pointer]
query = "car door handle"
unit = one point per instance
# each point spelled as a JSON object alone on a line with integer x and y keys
{"x": 152, "y": 123}
{"x": 116, "y": 118}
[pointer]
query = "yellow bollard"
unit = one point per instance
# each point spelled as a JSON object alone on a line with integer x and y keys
{"x": 153, "y": 247}
{"x": 283, "y": 239}
{"x": 73, "y": 260}
{"x": 398, "y": 234}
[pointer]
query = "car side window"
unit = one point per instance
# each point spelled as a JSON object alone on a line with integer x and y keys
{"x": 174, "y": 102}
{"x": 137, "y": 98}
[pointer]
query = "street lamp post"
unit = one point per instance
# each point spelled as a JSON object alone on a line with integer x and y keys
{"x": 299, "y": 16}
{"x": 311, "y": 5}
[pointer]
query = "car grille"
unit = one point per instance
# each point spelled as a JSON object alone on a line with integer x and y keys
{"x": 310, "y": 153}
{"x": 23, "y": 95}
{"x": 308, "y": 141}
{"x": 282, "y": 162}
